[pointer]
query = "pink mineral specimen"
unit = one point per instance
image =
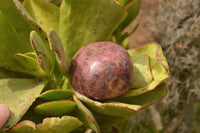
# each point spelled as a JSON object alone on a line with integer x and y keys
{"x": 102, "y": 70}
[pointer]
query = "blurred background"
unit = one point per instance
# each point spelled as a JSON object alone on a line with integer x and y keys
{"x": 175, "y": 24}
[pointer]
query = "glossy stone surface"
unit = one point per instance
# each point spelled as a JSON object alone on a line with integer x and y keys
{"x": 101, "y": 70}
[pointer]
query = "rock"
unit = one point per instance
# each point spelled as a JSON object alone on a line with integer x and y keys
{"x": 102, "y": 70}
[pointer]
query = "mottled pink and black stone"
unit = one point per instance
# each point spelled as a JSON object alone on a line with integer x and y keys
{"x": 102, "y": 70}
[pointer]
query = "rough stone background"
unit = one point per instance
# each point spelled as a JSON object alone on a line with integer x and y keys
{"x": 146, "y": 20}
{"x": 175, "y": 25}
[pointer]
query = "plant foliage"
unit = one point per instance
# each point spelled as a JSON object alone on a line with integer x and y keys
{"x": 38, "y": 40}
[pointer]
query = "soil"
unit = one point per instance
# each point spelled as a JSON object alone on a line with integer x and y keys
{"x": 146, "y": 20}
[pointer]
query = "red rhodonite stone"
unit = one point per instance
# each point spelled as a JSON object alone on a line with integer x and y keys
{"x": 102, "y": 70}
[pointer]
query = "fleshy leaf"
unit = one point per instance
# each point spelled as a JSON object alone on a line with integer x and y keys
{"x": 158, "y": 65}
{"x": 108, "y": 120}
{"x": 24, "y": 127}
{"x": 120, "y": 35}
{"x": 124, "y": 44}
{"x": 123, "y": 2}
{"x": 146, "y": 98}
{"x": 45, "y": 14}
{"x": 56, "y": 94}
{"x": 32, "y": 115}
{"x": 119, "y": 109}
{"x": 109, "y": 108}
{"x": 142, "y": 71}
{"x": 86, "y": 21}
{"x": 65, "y": 124}
{"x": 44, "y": 58}
{"x": 56, "y": 45}
{"x": 31, "y": 54}
{"x": 55, "y": 108}
{"x": 15, "y": 32}
{"x": 85, "y": 116}
{"x": 132, "y": 7}
{"x": 29, "y": 64}
{"x": 18, "y": 95}
{"x": 5, "y": 74}
{"x": 23, "y": 11}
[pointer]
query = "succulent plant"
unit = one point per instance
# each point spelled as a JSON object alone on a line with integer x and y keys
{"x": 37, "y": 43}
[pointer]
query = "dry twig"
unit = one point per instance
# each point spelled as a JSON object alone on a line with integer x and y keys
{"x": 156, "y": 117}
{"x": 181, "y": 115}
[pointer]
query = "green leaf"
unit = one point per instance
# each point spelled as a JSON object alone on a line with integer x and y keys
{"x": 24, "y": 127}
{"x": 5, "y": 74}
{"x": 142, "y": 71}
{"x": 86, "y": 21}
{"x": 147, "y": 98}
{"x": 55, "y": 2}
{"x": 117, "y": 110}
{"x": 108, "y": 120}
{"x": 120, "y": 35}
{"x": 158, "y": 65}
{"x": 23, "y": 10}
{"x": 56, "y": 94}
{"x": 55, "y": 108}
{"x": 56, "y": 45}
{"x": 29, "y": 64}
{"x": 85, "y": 116}
{"x": 33, "y": 116}
{"x": 111, "y": 108}
{"x": 45, "y": 60}
{"x": 125, "y": 43}
{"x": 45, "y": 14}
{"x": 15, "y": 35}
{"x": 18, "y": 95}
{"x": 132, "y": 7}
{"x": 31, "y": 54}
{"x": 65, "y": 124}
{"x": 123, "y": 2}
